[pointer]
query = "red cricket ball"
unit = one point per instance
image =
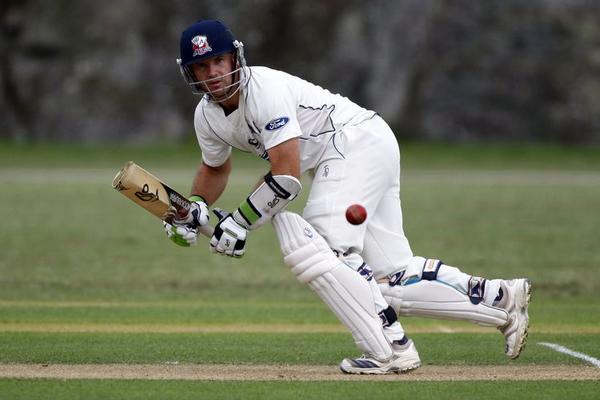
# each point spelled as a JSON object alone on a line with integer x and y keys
{"x": 356, "y": 214}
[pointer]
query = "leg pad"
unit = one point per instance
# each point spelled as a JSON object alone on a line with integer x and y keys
{"x": 344, "y": 290}
{"x": 437, "y": 300}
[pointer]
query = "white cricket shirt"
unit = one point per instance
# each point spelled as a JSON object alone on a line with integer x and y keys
{"x": 275, "y": 107}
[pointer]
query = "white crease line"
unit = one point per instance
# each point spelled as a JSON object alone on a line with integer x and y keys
{"x": 561, "y": 349}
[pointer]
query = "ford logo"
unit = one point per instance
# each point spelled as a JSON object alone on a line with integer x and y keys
{"x": 277, "y": 123}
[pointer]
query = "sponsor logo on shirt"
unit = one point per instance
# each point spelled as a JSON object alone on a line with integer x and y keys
{"x": 277, "y": 123}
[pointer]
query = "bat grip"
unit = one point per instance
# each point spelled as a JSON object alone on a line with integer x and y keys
{"x": 206, "y": 230}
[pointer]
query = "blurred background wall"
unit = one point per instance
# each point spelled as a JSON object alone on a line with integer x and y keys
{"x": 497, "y": 70}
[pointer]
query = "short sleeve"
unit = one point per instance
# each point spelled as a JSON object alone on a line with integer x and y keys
{"x": 214, "y": 150}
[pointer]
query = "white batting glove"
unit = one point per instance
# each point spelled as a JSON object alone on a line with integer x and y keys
{"x": 185, "y": 236}
{"x": 197, "y": 215}
{"x": 229, "y": 237}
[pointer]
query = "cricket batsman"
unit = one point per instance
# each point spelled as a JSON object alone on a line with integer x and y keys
{"x": 365, "y": 273}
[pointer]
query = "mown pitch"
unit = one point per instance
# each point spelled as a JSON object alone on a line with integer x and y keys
{"x": 92, "y": 292}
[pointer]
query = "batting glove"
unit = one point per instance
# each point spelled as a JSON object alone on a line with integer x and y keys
{"x": 197, "y": 215}
{"x": 185, "y": 236}
{"x": 229, "y": 237}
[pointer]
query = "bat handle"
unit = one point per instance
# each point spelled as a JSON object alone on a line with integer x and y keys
{"x": 206, "y": 230}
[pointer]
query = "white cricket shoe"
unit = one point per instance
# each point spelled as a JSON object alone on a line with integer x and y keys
{"x": 405, "y": 359}
{"x": 517, "y": 295}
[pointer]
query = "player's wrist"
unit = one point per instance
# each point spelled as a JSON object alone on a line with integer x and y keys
{"x": 197, "y": 198}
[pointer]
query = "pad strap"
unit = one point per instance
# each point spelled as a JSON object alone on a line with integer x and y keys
{"x": 388, "y": 316}
{"x": 272, "y": 196}
{"x": 476, "y": 289}
{"x": 365, "y": 271}
{"x": 278, "y": 189}
{"x": 430, "y": 269}
{"x": 197, "y": 197}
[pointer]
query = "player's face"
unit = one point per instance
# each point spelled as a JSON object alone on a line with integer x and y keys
{"x": 216, "y": 72}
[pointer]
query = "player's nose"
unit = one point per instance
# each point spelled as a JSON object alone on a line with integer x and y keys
{"x": 213, "y": 70}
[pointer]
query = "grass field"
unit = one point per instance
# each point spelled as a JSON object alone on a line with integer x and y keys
{"x": 92, "y": 292}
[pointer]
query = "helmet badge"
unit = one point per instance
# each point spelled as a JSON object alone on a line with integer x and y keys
{"x": 200, "y": 45}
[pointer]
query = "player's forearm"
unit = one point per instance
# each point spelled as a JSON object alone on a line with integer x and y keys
{"x": 210, "y": 182}
{"x": 280, "y": 186}
{"x": 285, "y": 158}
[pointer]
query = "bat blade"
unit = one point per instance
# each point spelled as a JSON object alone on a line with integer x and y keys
{"x": 150, "y": 193}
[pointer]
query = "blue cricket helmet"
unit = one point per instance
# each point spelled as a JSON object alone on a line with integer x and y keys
{"x": 205, "y": 39}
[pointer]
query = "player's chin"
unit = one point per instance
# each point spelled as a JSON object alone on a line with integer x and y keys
{"x": 220, "y": 94}
{"x": 215, "y": 89}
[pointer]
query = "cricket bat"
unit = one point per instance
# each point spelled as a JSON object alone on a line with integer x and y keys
{"x": 149, "y": 192}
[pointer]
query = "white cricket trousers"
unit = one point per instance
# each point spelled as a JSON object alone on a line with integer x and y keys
{"x": 369, "y": 174}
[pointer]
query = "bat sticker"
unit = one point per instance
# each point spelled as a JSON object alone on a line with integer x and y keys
{"x": 146, "y": 195}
